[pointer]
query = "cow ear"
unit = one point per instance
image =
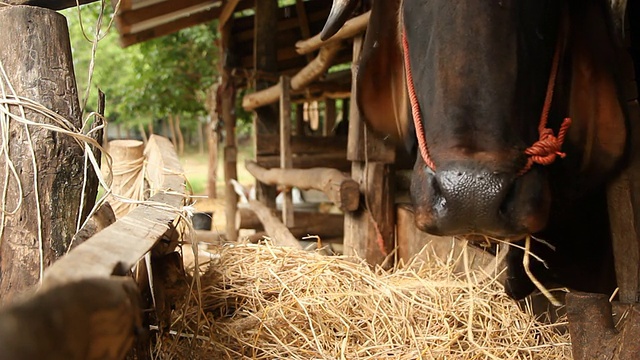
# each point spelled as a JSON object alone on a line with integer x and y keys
{"x": 597, "y": 105}
{"x": 340, "y": 12}
{"x": 381, "y": 88}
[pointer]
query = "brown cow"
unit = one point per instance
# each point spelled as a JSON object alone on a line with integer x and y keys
{"x": 479, "y": 90}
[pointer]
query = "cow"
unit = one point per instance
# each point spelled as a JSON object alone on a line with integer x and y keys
{"x": 517, "y": 117}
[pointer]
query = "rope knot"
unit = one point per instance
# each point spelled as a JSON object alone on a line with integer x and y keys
{"x": 547, "y": 148}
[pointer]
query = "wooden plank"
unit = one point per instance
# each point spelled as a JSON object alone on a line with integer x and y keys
{"x": 351, "y": 28}
{"x": 624, "y": 237}
{"x": 117, "y": 248}
{"x": 128, "y": 39}
{"x": 304, "y": 145}
{"x": 307, "y": 223}
{"x": 36, "y": 56}
{"x": 88, "y": 319}
{"x": 129, "y": 19}
{"x": 279, "y": 233}
{"x": 285, "y": 147}
{"x": 336, "y": 160}
{"x": 307, "y": 75}
{"x": 369, "y": 232}
{"x": 341, "y": 189}
{"x": 412, "y": 242}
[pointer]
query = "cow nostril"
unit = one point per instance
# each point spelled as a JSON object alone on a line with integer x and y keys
{"x": 506, "y": 206}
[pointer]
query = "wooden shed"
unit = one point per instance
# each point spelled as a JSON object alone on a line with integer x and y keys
{"x": 311, "y": 80}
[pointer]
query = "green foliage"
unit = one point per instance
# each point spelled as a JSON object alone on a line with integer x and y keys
{"x": 164, "y": 76}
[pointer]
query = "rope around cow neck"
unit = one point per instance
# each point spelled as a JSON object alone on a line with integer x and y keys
{"x": 544, "y": 151}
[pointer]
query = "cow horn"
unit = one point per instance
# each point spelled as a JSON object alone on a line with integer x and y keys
{"x": 340, "y": 11}
{"x": 618, "y": 12}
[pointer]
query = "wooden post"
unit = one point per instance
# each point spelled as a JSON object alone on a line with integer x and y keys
{"x": 230, "y": 157}
{"x": 300, "y": 120}
{"x": 369, "y": 232}
{"x": 285, "y": 146}
{"x": 330, "y": 115}
{"x": 266, "y": 62}
{"x": 36, "y": 56}
{"x": 225, "y": 99}
{"x": 213, "y": 140}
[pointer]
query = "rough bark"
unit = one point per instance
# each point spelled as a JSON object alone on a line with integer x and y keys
{"x": 36, "y": 56}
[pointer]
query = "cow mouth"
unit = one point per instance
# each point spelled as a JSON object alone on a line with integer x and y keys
{"x": 467, "y": 197}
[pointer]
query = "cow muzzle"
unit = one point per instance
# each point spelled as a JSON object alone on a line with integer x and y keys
{"x": 465, "y": 197}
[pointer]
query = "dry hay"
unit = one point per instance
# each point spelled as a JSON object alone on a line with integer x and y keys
{"x": 265, "y": 302}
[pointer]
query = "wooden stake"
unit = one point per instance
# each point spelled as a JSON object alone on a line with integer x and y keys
{"x": 285, "y": 147}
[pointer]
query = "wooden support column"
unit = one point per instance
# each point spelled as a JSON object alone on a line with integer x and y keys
{"x": 623, "y": 193}
{"x": 226, "y": 98}
{"x": 230, "y": 159}
{"x": 300, "y": 120}
{"x": 330, "y": 116}
{"x": 266, "y": 61}
{"x": 369, "y": 232}
{"x": 286, "y": 161}
{"x": 36, "y": 56}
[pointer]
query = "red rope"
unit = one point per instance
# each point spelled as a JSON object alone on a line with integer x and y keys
{"x": 415, "y": 106}
{"x": 547, "y": 148}
{"x": 543, "y": 152}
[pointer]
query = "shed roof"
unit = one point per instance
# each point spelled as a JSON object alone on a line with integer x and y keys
{"x": 142, "y": 20}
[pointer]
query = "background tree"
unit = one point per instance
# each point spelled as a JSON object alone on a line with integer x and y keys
{"x": 161, "y": 79}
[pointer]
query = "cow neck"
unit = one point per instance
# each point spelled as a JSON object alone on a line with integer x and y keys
{"x": 544, "y": 151}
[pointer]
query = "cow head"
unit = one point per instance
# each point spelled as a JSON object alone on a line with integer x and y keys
{"x": 480, "y": 70}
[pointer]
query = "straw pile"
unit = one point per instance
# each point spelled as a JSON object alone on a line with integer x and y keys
{"x": 264, "y": 302}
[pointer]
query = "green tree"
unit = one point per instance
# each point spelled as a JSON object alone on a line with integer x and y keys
{"x": 145, "y": 82}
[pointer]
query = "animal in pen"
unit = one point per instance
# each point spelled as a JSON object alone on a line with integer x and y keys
{"x": 514, "y": 111}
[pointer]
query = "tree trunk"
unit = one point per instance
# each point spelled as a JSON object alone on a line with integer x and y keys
{"x": 143, "y": 133}
{"x": 172, "y": 131}
{"x": 179, "y": 136}
{"x": 200, "y": 139}
{"x": 36, "y": 55}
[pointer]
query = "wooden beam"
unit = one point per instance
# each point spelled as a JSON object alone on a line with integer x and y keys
{"x": 130, "y": 19}
{"x": 89, "y": 319}
{"x": 128, "y": 39}
{"x": 117, "y": 248}
{"x": 274, "y": 227}
{"x": 227, "y": 11}
{"x": 310, "y": 73}
{"x": 351, "y": 28}
{"x": 341, "y": 189}
{"x": 49, "y": 4}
